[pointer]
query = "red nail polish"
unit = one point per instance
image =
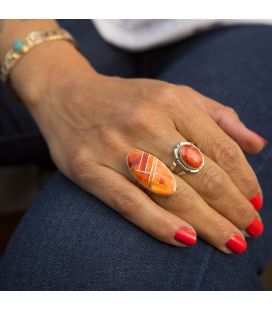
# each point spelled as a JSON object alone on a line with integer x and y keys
{"x": 257, "y": 202}
{"x": 255, "y": 228}
{"x": 237, "y": 244}
{"x": 259, "y": 137}
{"x": 186, "y": 236}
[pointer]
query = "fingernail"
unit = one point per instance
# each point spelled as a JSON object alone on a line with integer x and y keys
{"x": 257, "y": 202}
{"x": 259, "y": 137}
{"x": 186, "y": 236}
{"x": 237, "y": 244}
{"x": 255, "y": 228}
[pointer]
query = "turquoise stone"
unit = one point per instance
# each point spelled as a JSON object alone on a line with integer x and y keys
{"x": 18, "y": 45}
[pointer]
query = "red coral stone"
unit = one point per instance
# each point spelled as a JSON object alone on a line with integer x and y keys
{"x": 191, "y": 156}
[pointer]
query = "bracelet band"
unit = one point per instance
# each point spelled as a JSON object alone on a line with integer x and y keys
{"x": 21, "y": 47}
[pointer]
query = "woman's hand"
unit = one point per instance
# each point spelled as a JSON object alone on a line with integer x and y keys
{"x": 91, "y": 122}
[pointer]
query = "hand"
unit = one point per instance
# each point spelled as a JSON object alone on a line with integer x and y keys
{"x": 91, "y": 122}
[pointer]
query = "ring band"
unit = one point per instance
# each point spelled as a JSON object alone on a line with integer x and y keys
{"x": 188, "y": 157}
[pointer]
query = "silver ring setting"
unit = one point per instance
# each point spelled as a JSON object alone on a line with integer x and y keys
{"x": 188, "y": 157}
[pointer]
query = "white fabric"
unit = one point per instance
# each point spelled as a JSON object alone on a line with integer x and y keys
{"x": 141, "y": 34}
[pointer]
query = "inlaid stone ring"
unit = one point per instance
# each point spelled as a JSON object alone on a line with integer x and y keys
{"x": 151, "y": 173}
{"x": 188, "y": 157}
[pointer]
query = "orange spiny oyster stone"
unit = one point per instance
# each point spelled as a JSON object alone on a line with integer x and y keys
{"x": 191, "y": 156}
{"x": 151, "y": 173}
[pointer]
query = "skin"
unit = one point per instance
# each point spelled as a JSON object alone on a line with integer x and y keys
{"x": 91, "y": 121}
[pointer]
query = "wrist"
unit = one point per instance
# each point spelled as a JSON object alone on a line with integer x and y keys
{"x": 45, "y": 66}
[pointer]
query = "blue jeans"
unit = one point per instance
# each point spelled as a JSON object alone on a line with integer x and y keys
{"x": 70, "y": 240}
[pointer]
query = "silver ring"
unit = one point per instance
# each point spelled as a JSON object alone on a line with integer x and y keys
{"x": 188, "y": 157}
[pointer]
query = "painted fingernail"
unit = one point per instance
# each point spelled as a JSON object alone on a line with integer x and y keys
{"x": 255, "y": 228}
{"x": 257, "y": 202}
{"x": 259, "y": 137}
{"x": 186, "y": 236}
{"x": 237, "y": 244}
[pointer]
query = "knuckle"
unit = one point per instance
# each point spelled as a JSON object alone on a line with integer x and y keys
{"x": 182, "y": 201}
{"x": 186, "y": 89}
{"x": 124, "y": 204}
{"x": 143, "y": 120}
{"x": 162, "y": 228}
{"x": 139, "y": 119}
{"x": 165, "y": 90}
{"x": 227, "y": 154}
{"x": 230, "y": 112}
{"x": 243, "y": 213}
{"x": 81, "y": 163}
{"x": 168, "y": 95}
{"x": 181, "y": 191}
{"x": 249, "y": 185}
{"x": 212, "y": 180}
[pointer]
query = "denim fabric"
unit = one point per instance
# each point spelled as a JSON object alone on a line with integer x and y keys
{"x": 70, "y": 240}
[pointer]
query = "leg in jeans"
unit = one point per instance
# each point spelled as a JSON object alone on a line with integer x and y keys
{"x": 71, "y": 240}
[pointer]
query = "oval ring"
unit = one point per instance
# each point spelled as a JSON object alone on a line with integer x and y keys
{"x": 188, "y": 157}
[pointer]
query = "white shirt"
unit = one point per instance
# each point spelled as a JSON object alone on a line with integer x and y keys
{"x": 141, "y": 34}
